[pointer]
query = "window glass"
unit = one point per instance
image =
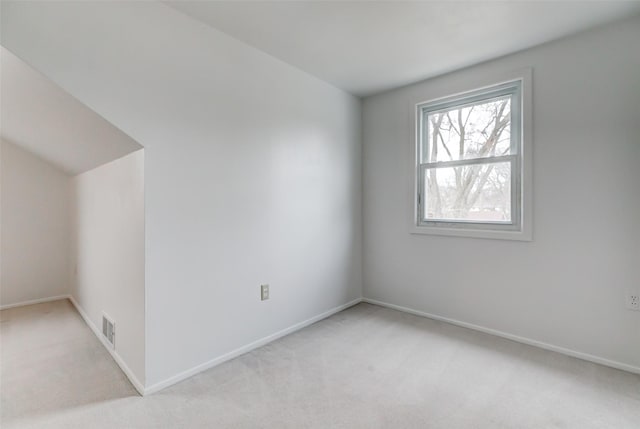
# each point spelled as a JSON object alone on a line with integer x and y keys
{"x": 477, "y": 192}
{"x": 473, "y": 131}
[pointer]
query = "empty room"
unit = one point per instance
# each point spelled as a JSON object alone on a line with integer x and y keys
{"x": 320, "y": 214}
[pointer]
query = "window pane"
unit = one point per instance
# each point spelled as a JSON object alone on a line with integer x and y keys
{"x": 477, "y": 131}
{"x": 480, "y": 192}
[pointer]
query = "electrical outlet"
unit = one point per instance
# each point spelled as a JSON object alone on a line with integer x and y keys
{"x": 633, "y": 301}
{"x": 264, "y": 292}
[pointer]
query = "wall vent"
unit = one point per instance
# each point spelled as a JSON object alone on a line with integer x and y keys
{"x": 109, "y": 330}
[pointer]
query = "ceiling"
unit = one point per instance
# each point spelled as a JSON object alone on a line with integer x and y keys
{"x": 42, "y": 118}
{"x": 367, "y": 47}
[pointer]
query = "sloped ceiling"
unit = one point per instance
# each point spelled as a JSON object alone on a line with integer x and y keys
{"x": 42, "y": 118}
{"x": 366, "y": 47}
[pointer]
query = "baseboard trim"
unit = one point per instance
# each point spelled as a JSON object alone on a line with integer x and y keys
{"x": 34, "y": 301}
{"x": 512, "y": 337}
{"x": 123, "y": 366}
{"x": 245, "y": 349}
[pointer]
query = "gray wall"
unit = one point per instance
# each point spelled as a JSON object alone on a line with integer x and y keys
{"x": 107, "y": 253}
{"x": 35, "y": 225}
{"x": 566, "y": 288}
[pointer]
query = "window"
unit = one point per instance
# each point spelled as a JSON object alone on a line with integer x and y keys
{"x": 469, "y": 163}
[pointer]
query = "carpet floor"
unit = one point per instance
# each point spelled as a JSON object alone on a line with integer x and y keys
{"x": 366, "y": 367}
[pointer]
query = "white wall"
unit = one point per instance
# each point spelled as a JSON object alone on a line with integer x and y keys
{"x": 108, "y": 252}
{"x": 252, "y": 169}
{"x": 34, "y": 223}
{"x": 568, "y": 286}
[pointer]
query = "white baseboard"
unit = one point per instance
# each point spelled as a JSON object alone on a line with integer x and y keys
{"x": 519, "y": 339}
{"x": 34, "y": 301}
{"x": 245, "y": 349}
{"x": 127, "y": 371}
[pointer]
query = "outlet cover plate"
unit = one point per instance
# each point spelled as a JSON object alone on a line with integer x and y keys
{"x": 264, "y": 292}
{"x": 633, "y": 301}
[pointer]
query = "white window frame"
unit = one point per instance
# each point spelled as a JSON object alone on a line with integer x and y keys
{"x": 518, "y": 86}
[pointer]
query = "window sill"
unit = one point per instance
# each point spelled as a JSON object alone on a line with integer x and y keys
{"x": 472, "y": 233}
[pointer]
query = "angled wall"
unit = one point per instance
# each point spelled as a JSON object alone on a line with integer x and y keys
{"x": 72, "y": 221}
{"x": 252, "y": 171}
{"x": 34, "y": 228}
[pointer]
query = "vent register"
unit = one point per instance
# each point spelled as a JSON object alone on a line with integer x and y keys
{"x": 109, "y": 330}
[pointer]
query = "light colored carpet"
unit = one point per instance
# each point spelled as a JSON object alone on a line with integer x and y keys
{"x": 367, "y": 367}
